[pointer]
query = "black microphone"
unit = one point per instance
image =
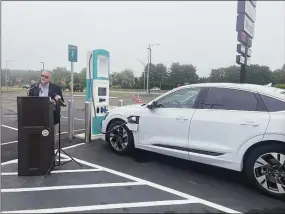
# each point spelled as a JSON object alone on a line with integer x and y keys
{"x": 33, "y": 87}
{"x": 57, "y": 98}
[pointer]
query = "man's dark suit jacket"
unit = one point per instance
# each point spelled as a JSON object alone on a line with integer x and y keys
{"x": 53, "y": 90}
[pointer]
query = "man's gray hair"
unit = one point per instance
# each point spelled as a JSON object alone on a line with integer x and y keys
{"x": 50, "y": 72}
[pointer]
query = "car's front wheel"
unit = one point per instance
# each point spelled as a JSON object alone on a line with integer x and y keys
{"x": 121, "y": 140}
{"x": 265, "y": 168}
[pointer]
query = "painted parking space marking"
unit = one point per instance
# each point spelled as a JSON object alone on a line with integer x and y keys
{"x": 58, "y": 171}
{"x": 158, "y": 186}
{"x": 83, "y": 186}
{"x": 9, "y": 127}
{"x": 15, "y": 141}
{"x": 134, "y": 181}
{"x": 64, "y": 148}
{"x": 15, "y": 129}
{"x": 105, "y": 206}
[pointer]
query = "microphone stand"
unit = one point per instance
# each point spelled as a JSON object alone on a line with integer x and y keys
{"x": 58, "y": 153}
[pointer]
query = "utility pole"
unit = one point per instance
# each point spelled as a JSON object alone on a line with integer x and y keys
{"x": 149, "y": 65}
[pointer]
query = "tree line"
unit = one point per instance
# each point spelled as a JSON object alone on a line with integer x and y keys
{"x": 159, "y": 77}
{"x": 167, "y": 78}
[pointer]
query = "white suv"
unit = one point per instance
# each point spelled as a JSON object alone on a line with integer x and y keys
{"x": 240, "y": 127}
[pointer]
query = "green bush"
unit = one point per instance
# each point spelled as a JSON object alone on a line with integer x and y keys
{"x": 280, "y": 86}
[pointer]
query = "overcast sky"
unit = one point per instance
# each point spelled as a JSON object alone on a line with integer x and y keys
{"x": 201, "y": 33}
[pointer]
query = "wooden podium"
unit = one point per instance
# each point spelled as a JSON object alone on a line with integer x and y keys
{"x": 35, "y": 135}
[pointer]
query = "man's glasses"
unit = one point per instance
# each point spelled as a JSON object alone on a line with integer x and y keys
{"x": 44, "y": 76}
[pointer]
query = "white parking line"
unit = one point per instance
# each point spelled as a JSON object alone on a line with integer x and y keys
{"x": 9, "y": 162}
{"x": 105, "y": 207}
{"x": 64, "y": 148}
{"x": 59, "y": 171}
{"x": 135, "y": 181}
{"x": 6, "y": 143}
{"x": 2, "y": 144}
{"x": 83, "y": 186}
{"x": 9, "y": 127}
{"x": 73, "y": 146}
{"x": 160, "y": 187}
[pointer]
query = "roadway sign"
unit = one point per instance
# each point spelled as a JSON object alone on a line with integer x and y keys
{"x": 245, "y": 24}
{"x": 247, "y": 8}
{"x": 240, "y": 60}
{"x": 241, "y": 49}
{"x": 248, "y": 61}
{"x": 72, "y": 53}
{"x": 248, "y": 52}
{"x": 244, "y": 39}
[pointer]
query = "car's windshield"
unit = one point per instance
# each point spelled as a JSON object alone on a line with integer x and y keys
{"x": 183, "y": 98}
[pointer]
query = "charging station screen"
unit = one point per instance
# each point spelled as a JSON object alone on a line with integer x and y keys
{"x": 102, "y": 91}
{"x": 103, "y": 66}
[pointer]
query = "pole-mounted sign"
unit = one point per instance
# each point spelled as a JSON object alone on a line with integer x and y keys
{"x": 72, "y": 53}
{"x": 245, "y": 27}
{"x": 72, "y": 57}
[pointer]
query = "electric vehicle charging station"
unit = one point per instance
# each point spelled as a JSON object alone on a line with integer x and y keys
{"x": 97, "y": 93}
{"x": 97, "y": 88}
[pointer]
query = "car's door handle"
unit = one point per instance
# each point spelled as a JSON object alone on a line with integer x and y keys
{"x": 181, "y": 118}
{"x": 250, "y": 123}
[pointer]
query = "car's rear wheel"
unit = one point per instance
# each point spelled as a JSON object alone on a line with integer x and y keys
{"x": 265, "y": 168}
{"x": 121, "y": 141}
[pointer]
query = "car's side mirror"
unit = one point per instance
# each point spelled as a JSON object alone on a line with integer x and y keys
{"x": 152, "y": 105}
{"x": 149, "y": 106}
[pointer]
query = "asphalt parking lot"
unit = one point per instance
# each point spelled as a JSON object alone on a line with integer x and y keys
{"x": 106, "y": 182}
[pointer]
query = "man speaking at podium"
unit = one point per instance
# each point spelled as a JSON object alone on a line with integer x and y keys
{"x": 47, "y": 89}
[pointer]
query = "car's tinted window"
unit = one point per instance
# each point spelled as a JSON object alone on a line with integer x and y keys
{"x": 273, "y": 104}
{"x": 184, "y": 98}
{"x": 230, "y": 99}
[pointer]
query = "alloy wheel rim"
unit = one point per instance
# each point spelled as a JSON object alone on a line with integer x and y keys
{"x": 120, "y": 140}
{"x": 269, "y": 171}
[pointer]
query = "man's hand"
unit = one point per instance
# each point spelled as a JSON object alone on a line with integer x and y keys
{"x": 28, "y": 91}
{"x": 52, "y": 101}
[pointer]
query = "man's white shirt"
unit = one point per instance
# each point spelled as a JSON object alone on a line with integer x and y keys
{"x": 44, "y": 90}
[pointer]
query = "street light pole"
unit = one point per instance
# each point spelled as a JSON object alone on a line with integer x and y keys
{"x": 6, "y": 74}
{"x": 149, "y": 70}
{"x": 148, "y": 67}
{"x": 143, "y": 73}
{"x": 43, "y": 67}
